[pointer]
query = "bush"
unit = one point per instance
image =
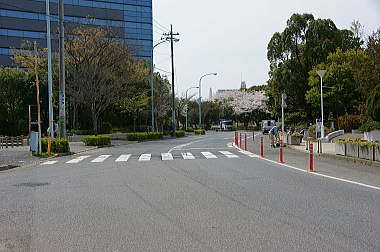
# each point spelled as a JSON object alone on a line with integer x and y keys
{"x": 97, "y": 140}
{"x": 257, "y": 128}
{"x": 179, "y": 133}
{"x": 350, "y": 122}
{"x": 59, "y": 145}
{"x": 120, "y": 130}
{"x": 369, "y": 126}
{"x": 200, "y": 132}
{"x": 190, "y": 129}
{"x": 144, "y": 136}
{"x": 82, "y": 132}
{"x": 167, "y": 132}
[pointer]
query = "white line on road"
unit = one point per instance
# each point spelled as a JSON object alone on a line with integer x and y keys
{"x": 145, "y": 157}
{"x": 315, "y": 173}
{"x": 123, "y": 158}
{"x": 166, "y": 156}
{"x": 184, "y": 145}
{"x": 49, "y": 163}
{"x": 249, "y": 154}
{"x": 187, "y": 155}
{"x": 77, "y": 160}
{"x": 208, "y": 155}
{"x": 100, "y": 159}
{"x": 229, "y": 154}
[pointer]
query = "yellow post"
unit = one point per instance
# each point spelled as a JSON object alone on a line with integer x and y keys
{"x": 49, "y": 145}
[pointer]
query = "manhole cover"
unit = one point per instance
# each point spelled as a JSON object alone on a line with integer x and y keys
{"x": 8, "y": 167}
{"x": 32, "y": 184}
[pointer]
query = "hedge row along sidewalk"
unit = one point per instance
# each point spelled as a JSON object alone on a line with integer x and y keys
{"x": 97, "y": 141}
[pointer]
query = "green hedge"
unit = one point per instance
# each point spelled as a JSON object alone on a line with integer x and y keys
{"x": 200, "y": 132}
{"x": 179, "y": 133}
{"x": 145, "y": 136}
{"x": 96, "y": 140}
{"x": 190, "y": 129}
{"x": 59, "y": 145}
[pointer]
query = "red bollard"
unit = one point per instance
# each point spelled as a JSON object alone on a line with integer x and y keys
{"x": 262, "y": 147}
{"x": 253, "y": 140}
{"x": 245, "y": 141}
{"x": 236, "y": 138}
{"x": 240, "y": 140}
{"x": 281, "y": 152}
{"x": 311, "y": 169}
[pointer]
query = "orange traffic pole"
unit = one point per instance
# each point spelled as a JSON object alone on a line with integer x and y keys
{"x": 262, "y": 147}
{"x": 281, "y": 152}
{"x": 311, "y": 168}
{"x": 240, "y": 140}
{"x": 245, "y": 141}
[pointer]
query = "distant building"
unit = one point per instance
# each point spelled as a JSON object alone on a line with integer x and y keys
{"x": 26, "y": 20}
{"x": 243, "y": 85}
{"x": 210, "y": 96}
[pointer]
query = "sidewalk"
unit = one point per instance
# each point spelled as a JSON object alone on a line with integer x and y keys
{"x": 327, "y": 164}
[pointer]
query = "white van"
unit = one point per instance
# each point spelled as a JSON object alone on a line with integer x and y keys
{"x": 267, "y": 125}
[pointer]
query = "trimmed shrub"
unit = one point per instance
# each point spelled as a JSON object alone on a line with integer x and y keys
{"x": 106, "y": 128}
{"x": 369, "y": 126}
{"x": 190, "y": 129}
{"x": 179, "y": 133}
{"x": 82, "y": 132}
{"x": 200, "y": 132}
{"x": 59, "y": 145}
{"x": 97, "y": 140}
{"x": 350, "y": 122}
{"x": 144, "y": 136}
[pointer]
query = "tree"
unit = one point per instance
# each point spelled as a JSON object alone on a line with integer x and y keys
{"x": 100, "y": 69}
{"x": 15, "y": 95}
{"x": 341, "y": 95}
{"x": 134, "y": 104}
{"x": 373, "y": 104}
{"x": 304, "y": 43}
{"x": 162, "y": 100}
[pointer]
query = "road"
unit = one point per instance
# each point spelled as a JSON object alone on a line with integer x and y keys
{"x": 203, "y": 196}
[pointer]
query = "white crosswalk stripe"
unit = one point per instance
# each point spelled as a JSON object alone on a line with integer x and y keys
{"x": 249, "y": 154}
{"x": 123, "y": 158}
{"x": 100, "y": 159}
{"x": 229, "y": 154}
{"x": 166, "y": 156}
{"x": 49, "y": 163}
{"x": 77, "y": 160}
{"x": 187, "y": 155}
{"x": 208, "y": 155}
{"x": 145, "y": 157}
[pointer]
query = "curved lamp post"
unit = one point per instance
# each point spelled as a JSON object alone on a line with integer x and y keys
{"x": 187, "y": 104}
{"x": 200, "y": 97}
{"x": 151, "y": 80}
{"x": 322, "y": 73}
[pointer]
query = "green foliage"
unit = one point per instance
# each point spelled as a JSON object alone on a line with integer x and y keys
{"x": 106, "y": 128}
{"x": 145, "y": 136}
{"x": 97, "y": 140}
{"x": 190, "y": 129}
{"x": 373, "y": 104}
{"x": 59, "y": 145}
{"x": 179, "y": 133}
{"x": 81, "y": 132}
{"x": 350, "y": 122}
{"x": 200, "y": 132}
{"x": 369, "y": 126}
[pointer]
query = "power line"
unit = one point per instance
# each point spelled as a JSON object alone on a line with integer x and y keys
{"x": 162, "y": 70}
{"x": 163, "y": 27}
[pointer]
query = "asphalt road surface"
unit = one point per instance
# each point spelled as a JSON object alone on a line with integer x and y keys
{"x": 192, "y": 194}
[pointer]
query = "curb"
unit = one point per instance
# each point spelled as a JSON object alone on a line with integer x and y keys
{"x": 342, "y": 158}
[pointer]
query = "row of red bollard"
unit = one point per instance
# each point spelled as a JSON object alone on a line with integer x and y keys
{"x": 239, "y": 143}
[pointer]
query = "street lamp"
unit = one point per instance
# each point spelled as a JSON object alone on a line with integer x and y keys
{"x": 200, "y": 97}
{"x": 322, "y": 73}
{"x": 151, "y": 79}
{"x": 187, "y": 104}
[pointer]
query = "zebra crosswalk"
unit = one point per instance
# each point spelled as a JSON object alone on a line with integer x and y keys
{"x": 146, "y": 157}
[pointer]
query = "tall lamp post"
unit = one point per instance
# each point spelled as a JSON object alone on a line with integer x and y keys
{"x": 200, "y": 97}
{"x": 322, "y": 73}
{"x": 151, "y": 80}
{"x": 187, "y": 104}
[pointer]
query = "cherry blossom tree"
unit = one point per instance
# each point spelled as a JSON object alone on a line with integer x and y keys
{"x": 242, "y": 101}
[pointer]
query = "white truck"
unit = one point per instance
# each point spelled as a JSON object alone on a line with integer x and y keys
{"x": 267, "y": 125}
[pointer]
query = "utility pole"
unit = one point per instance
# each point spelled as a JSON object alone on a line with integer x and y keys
{"x": 50, "y": 75}
{"x": 38, "y": 98}
{"x": 170, "y": 37}
{"x": 62, "y": 87}
{"x": 283, "y": 106}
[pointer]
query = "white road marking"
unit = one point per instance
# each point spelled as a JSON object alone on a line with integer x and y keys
{"x": 229, "y": 145}
{"x": 123, "y": 158}
{"x": 229, "y": 154}
{"x": 187, "y": 155}
{"x": 249, "y": 154}
{"x": 316, "y": 174}
{"x": 184, "y": 145}
{"x": 49, "y": 163}
{"x": 145, "y": 157}
{"x": 208, "y": 155}
{"x": 100, "y": 159}
{"x": 166, "y": 156}
{"x": 77, "y": 160}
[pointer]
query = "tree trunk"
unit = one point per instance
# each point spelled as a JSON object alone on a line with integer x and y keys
{"x": 94, "y": 120}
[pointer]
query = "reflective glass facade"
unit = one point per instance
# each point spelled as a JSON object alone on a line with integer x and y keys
{"x": 26, "y": 20}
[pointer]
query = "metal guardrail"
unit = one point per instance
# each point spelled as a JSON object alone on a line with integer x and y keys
{"x": 10, "y": 142}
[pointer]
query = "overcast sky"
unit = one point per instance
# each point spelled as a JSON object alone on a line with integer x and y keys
{"x": 231, "y": 37}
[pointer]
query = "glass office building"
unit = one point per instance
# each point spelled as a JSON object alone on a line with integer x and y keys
{"x": 26, "y": 20}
